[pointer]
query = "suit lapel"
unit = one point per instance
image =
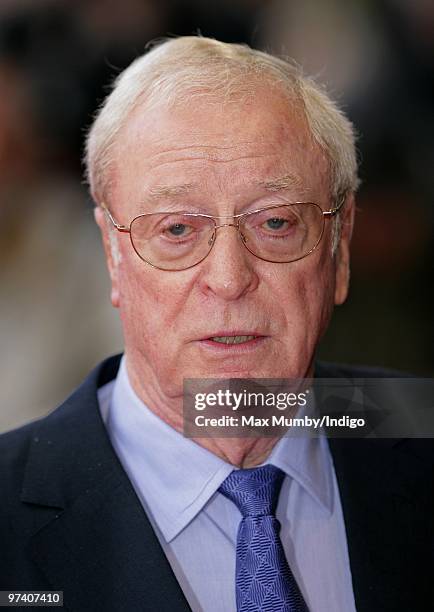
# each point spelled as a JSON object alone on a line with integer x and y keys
{"x": 98, "y": 547}
{"x": 104, "y": 555}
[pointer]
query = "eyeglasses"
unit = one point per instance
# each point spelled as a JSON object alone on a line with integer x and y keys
{"x": 173, "y": 241}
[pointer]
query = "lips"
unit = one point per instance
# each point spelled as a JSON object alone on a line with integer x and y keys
{"x": 236, "y": 343}
{"x": 233, "y": 339}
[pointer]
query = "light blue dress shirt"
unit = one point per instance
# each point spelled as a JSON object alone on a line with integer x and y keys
{"x": 177, "y": 483}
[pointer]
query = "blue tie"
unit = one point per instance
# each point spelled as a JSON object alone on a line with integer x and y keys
{"x": 263, "y": 581}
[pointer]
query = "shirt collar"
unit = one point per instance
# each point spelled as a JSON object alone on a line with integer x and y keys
{"x": 172, "y": 475}
{"x": 176, "y": 489}
{"x": 308, "y": 461}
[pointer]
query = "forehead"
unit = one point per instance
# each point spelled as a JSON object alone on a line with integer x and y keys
{"x": 223, "y": 146}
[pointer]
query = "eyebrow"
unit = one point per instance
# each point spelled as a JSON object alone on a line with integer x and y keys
{"x": 283, "y": 182}
{"x": 158, "y": 192}
{"x": 169, "y": 191}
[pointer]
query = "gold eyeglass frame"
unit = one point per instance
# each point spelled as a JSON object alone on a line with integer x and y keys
{"x": 125, "y": 229}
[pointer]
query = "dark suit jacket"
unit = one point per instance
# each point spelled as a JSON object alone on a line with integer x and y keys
{"x": 70, "y": 519}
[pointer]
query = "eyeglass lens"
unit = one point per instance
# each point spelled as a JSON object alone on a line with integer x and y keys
{"x": 176, "y": 241}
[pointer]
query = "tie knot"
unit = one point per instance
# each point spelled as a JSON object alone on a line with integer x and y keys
{"x": 254, "y": 491}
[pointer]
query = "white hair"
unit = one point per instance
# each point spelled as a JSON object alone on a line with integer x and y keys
{"x": 178, "y": 69}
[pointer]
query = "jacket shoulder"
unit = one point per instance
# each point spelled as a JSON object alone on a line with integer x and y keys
{"x": 15, "y": 445}
{"x": 327, "y": 369}
{"x": 14, "y": 450}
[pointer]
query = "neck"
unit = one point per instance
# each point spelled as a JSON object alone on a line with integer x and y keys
{"x": 242, "y": 452}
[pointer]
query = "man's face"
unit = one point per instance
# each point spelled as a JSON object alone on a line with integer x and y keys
{"x": 218, "y": 159}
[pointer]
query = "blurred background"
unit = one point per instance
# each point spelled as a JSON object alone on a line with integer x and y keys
{"x": 57, "y": 58}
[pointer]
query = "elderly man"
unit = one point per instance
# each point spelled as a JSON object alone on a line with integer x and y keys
{"x": 224, "y": 181}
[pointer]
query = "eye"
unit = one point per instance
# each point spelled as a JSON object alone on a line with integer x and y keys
{"x": 178, "y": 229}
{"x": 275, "y": 223}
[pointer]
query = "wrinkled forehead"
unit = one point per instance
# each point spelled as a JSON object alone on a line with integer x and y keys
{"x": 259, "y": 133}
{"x": 252, "y": 109}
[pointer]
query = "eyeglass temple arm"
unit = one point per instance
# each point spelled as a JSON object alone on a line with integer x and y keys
{"x": 333, "y": 211}
{"x": 120, "y": 228}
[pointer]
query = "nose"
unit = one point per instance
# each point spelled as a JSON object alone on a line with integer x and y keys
{"x": 228, "y": 272}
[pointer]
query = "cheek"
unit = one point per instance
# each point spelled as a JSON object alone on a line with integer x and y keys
{"x": 307, "y": 296}
{"x": 151, "y": 301}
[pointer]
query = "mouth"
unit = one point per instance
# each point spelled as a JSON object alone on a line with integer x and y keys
{"x": 233, "y": 340}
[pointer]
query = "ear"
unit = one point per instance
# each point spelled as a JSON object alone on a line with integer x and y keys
{"x": 342, "y": 255}
{"x": 112, "y": 264}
